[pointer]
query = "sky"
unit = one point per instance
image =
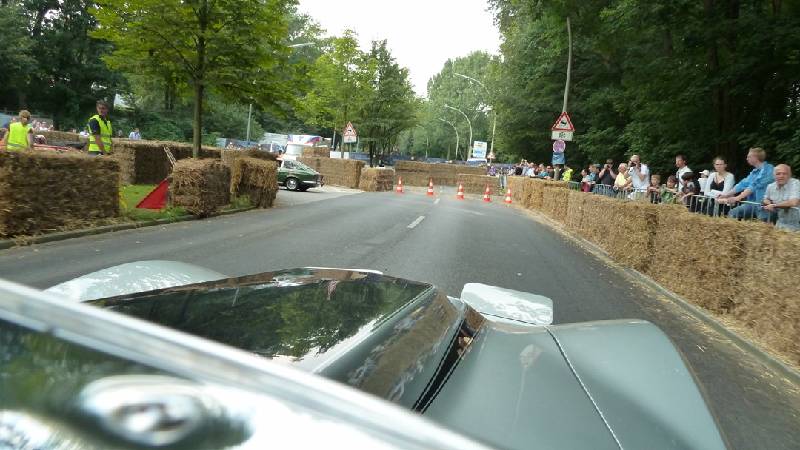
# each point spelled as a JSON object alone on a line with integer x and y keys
{"x": 422, "y": 34}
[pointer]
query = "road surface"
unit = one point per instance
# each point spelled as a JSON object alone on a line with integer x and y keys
{"x": 448, "y": 243}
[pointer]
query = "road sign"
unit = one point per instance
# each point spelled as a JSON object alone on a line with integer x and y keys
{"x": 491, "y": 156}
{"x": 558, "y": 158}
{"x": 563, "y": 123}
{"x": 563, "y": 135}
{"x": 350, "y": 135}
{"x": 479, "y": 149}
{"x": 559, "y": 146}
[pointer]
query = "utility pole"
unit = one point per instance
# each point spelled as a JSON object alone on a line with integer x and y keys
{"x": 249, "y": 115}
{"x": 489, "y": 96}
{"x": 569, "y": 67}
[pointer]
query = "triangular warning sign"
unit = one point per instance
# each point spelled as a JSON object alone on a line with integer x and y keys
{"x": 349, "y": 130}
{"x": 563, "y": 123}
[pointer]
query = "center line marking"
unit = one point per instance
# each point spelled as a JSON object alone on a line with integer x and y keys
{"x": 436, "y": 202}
{"x": 416, "y": 222}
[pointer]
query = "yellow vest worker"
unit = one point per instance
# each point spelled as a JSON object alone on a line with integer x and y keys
{"x": 20, "y": 134}
{"x": 100, "y": 130}
{"x": 567, "y": 175}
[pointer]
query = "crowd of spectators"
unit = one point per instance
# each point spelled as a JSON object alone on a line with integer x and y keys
{"x": 768, "y": 193}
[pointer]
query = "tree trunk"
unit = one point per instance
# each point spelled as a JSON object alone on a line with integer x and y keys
{"x": 199, "y": 79}
{"x": 197, "y": 123}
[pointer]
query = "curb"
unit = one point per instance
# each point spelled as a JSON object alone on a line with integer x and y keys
{"x": 63, "y": 235}
{"x": 698, "y": 313}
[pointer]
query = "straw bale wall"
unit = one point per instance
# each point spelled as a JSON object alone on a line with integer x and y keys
{"x": 62, "y": 137}
{"x": 144, "y": 162}
{"x": 317, "y": 152}
{"x": 419, "y": 174}
{"x": 230, "y": 155}
{"x": 519, "y": 187}
{"x": 257, "y": 179}
{"x": 338, "y": 172}
{"x": 44, "y": 191}
{"x": 376, "y": 179}
{"x": 745, "y": 271}
{"x": 476, "y": 184}
{"x": 201, "y": 186}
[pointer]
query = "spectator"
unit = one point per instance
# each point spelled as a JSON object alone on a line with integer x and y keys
{"x": 782, "y": 199}
{"x": 752, "y": 188}
{"x": 584, "y": 176}
{"x": 622, "y": 181}
{"x": 135, "y": 135}
{"x": 688, "y": 194}
{"x": 703, "y": 180}
{"x": 719, "y": 183}
{"x": 640, "y": 176}
{"x": 607, "y": 175}
{"x": 680, "y": 163}
{"x": 670, "y": 190}
{"x": 654, "y": 190}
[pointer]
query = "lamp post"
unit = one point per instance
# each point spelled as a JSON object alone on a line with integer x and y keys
{"x": 468, "y": 123}
{"x": 456, "y": 130}
{"x": 427, "y": 142}
{"x": 494, "y": 122}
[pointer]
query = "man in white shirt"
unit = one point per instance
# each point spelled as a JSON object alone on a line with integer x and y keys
{"x": 134, "y": 135}
{"x": 639, "y": 174}
{"x": 680, "y": 163}
{"x": 783, "y": 198}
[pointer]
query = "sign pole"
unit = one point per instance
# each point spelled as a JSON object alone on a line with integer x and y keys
{"x": 569, "y": 67}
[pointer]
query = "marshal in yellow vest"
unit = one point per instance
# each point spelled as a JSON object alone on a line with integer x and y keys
{"x": 17, "y": 136}
{"x": 106, "y": 132}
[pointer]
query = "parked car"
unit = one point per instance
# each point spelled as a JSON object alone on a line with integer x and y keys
{"x": 169, "y": 355}
{"x": 297, "y": 176}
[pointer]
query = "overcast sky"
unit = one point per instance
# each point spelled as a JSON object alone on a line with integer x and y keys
{"x": 422, "y": 34}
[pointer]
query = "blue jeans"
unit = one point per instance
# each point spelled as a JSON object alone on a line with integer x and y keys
{"x": 751, "y": 211}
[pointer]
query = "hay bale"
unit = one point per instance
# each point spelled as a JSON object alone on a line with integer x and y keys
{"x": 228, "y": 155}
{"x": 63, "y": 138}
{"x": 144, "y": 162}
{"x": 575, "y": 207}
{"x": 554, "y": 201}
{"x": 476, "y": 184}
{"x": 257, "y": 179}
{"x": 337, "y": 172}
{"x": 317, "y": 152}
{"x": 46, "y": 191}
{"x": 518, "y": 188}
{"x": 376, "y": 179}
{"x": 201, "y": 186}
{"x": 419, "y": 174}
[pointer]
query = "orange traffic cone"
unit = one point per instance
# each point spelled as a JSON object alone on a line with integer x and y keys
{"x": 460, "y": 193}
{"x": 399, "y": 188}
{"x": 507, "y": 201}
{"x": 486, "y": 195}
{"x": 430, "y": 188}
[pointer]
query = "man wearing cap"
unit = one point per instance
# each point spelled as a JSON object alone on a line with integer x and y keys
{"x": 19, "y": 135}
{"x": 100, "y": 131}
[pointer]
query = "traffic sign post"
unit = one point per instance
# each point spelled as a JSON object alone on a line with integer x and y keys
{"x": 349, "y": 134}
{"x": 563, "y": 129}
{"x": 479, "y": 149}
{"x": 559, "y": 146}
{"x": 562, "y": 135}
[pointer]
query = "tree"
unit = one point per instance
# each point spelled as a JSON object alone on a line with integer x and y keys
{"x": 18, "y": 60}
{"x": 391, "y": 106}
{"x": 234, "y": 48}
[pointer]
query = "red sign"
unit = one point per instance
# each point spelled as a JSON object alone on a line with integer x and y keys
{"x": 563, "y": 123}
{"x": 559, "y": 146}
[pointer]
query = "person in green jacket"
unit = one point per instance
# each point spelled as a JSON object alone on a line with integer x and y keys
{"x": 19, "y": 135}
{"x": 100, "y": 131}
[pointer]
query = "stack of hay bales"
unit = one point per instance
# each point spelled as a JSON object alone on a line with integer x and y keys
{"x": 555, "y": 197}
{"x": 419, "y": 174}
{"x": 476, "y": 184}
{"x": 518, "y": 189}
{"x": 376, "y": 179}
{"x": 338, "y": 172}
{"x": 317, "y": 152}
{"x": 45, "y": 191}
{"x": 201, "y": 186}
{"x": 257, "y": 179}
{"x": 63, "y": 138}
{"x": 144, "y": 162}
{"x": 230, "y": 155}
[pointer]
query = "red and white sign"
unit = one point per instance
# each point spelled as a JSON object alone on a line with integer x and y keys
{"x": 563, "y": 123}
{"x": 559, "y": 146}
{"x": 350, "y": 135}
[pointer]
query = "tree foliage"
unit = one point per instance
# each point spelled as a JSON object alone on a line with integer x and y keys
{"x": 652, "y": 77}
{"x": 233, "y": 48}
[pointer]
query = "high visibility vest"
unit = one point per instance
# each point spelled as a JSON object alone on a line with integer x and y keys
{"x": 567, "y": 175}
{"x": 17, "y": 136}
{"x": 105, "y": 135}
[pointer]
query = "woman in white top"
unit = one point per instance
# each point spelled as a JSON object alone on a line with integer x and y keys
{"x": 720, "y": 182}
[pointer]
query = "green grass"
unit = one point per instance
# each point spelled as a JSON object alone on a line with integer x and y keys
{"x": 131, "y": 195}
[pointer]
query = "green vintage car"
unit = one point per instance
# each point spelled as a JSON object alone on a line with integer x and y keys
{"x": 297, "y": 176}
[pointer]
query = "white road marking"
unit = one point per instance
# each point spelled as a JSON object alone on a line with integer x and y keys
{"x": 436, "y": 202}
{"x": 416, "y": 222}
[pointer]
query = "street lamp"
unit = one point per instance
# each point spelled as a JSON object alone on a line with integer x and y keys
{"x": 494, "y": 122}
{"x": 468, "y": 123}
{"x": 456, "y": 130}
{"x": 427, "y": 141}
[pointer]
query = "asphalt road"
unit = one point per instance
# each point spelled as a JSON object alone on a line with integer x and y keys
{"x": 449, "y": 243}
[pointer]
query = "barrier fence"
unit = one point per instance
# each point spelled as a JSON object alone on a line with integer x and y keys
{"x": 701, "y": 204}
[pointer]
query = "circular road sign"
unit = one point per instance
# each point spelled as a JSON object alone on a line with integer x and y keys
{"x": 559, "y": 146}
